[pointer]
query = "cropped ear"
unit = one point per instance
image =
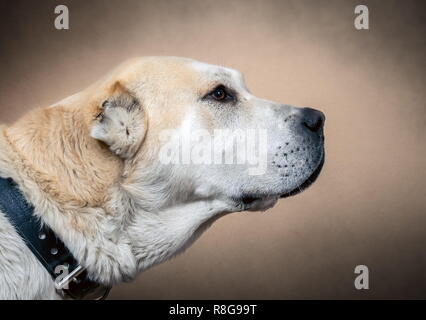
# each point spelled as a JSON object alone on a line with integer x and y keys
{"x": 120, "y": 123}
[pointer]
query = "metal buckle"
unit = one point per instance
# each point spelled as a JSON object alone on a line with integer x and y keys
{"x": 70, "y": 287}
{"x": 63, "y": 283}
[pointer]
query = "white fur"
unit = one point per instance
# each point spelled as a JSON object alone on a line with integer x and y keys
{"x": 155, "y": 211}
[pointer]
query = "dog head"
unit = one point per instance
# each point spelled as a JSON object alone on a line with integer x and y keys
{"x": 192, "y": 131}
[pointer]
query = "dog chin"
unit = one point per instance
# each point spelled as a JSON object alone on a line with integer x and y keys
{"x": 307, "y": 183}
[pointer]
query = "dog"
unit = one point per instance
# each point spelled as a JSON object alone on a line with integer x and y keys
{"x": 94, "y": 169}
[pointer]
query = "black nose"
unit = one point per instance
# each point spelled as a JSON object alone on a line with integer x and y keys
{"x": 312, "y": 119}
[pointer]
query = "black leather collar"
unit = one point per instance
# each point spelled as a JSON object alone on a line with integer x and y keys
{"x": 70, "y": 278}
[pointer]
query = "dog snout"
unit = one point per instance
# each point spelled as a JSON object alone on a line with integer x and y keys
{"x": 312, "y": 119}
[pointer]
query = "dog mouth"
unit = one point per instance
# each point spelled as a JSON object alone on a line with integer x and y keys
{"x": 308, "y": 182}
{"x": 250, "y": 198}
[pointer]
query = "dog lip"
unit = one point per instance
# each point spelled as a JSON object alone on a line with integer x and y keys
{"x": 308, "y": 182}
{"x": 249, "y": 198}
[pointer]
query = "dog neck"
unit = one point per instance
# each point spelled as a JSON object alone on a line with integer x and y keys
{"x": 111, "y": 214}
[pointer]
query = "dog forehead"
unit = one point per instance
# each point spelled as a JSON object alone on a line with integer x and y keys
{"x": 158, "y": 71}
{"x": 215, "y": 72}
{"x": 175, "y": 72}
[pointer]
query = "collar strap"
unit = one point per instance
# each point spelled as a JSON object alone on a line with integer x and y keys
{"x": 71, "y": 279}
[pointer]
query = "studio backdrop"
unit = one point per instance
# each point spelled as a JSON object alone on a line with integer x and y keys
{"x": 368, "y": 206}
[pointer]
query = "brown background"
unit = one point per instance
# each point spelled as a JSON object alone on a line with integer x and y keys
{"x": 367, "y": 207}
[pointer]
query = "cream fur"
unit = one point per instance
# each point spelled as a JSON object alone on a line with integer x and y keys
{"x": 88, "y": 165}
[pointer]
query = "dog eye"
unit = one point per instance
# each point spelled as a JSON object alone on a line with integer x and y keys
{"x": 220, "y": 94}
